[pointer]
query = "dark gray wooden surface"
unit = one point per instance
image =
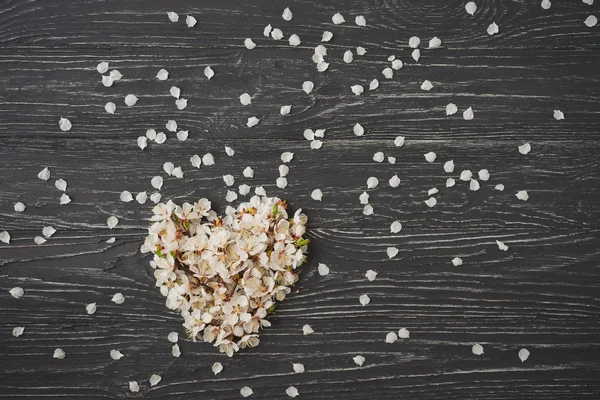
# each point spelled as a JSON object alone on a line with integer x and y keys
{"x": 542, "y": 294}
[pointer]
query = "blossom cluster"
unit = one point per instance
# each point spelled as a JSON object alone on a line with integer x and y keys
{"x": 225, "y": 274}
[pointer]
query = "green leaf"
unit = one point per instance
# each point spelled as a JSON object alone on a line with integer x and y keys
{"x": 275, "y": 208}
{"x": 271, "y": 310}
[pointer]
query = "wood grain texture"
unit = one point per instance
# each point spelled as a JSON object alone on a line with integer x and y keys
{"x": 542, "y": 294}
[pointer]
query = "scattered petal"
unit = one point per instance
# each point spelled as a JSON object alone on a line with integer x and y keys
{"x": 64, "y": 199}
{"x": 492, "y": 29}
{"x": 394, "y": 181}
{"x": 245, "y": 99}
{"x": 474, "y": 185}
{"x": 525, "y": 148}
{"x": 358, "y": 129}
{"x": 298, "y": 368}
{"x": 466, "y": 175}
{"x": 327, "y": 36}
{"x": 182, "y": 135}
{"x": 416, "y": 55}
{"x": 155, "y": 197}
{"x": 294, "y": 40}
{"x": 267, "y": 30}
{"x": 208, "y": 72}
{"x": 374, "y": 84}
{"x": 190, "y": 21}
{"x": 44, "y": 174}
{"x": 217, "y": 368}
{"x": 110, "y": 107}
{"x": 175, "y": 351}
{"x": 277, "y": 34}
{"x": 399, "y": 141}
{"x": 449, "y": 166}
{"x": 307, "y": 329}
{"x": 388, "y": 73}
{"x": 208, "y": 159}
{"x": 102, "y": 67}
{"x": 368, "y": 210}
{"x": 501, "y": 245}
{"x": 414, "y": 42}
{"x": 116, "y": 354}
{"x": 20, "y": 207}
{"x": 371, "y": 275}
{"x": 431, "y": 202}
{"x": 64, "y": 124}
{"x": 477, "y": 349}
{"x": 397, "y": 64}
{"x": 395, "y": 227}
{"x": 361, "y": 51}
{"x": 360, "y": 21}
{"x": 348, "y": 56}
{"x": 131, "y": 100}
{"x": 162, "y": 74}
{"x": 173, "y": 16}
{"x": 364, "y": 299}
{"x": 157, "y": 182}
{"x": 590, "y": 21}
{"x": 524, "y": 354}
{"x": 59, "y": 354}
{"x": 61, "y": 184}
{"x": 252, "y": 121}
{"x": 499, "y": 187}
{"x": 287, "y": 14}
{"x": 178, "y": 173}
{"x": 246, "y": 391}
{"x": 39, "y": 240}
{"x": 364, "y": 198}
{"x": 308, "y": 86}
{"x": 484, "y": 174}
{"x": 471, "y": 7}
{"x": 546, "y": 4}
{"x": 181, "y": 104}
{"x": 111, "y": 240}
{"x": 16, "y": 292}
{"x": 91, "y": 308}
{"x": 468, "y": 114}
{"x": 372, "y": 182}
{"x": 403, "y": 333}
{"x": 5, "y": 237}
{"x": 430, "y": 157}
{"x": 522, "y": 195}
{"x": 126, "y": 196}
{"x": 457, "y": 261}
{"x": 285, "y": 110}
{"x": 115, "y": 75}
{"x": 175, "y": 91}
{"x": 322, "y": 66}
{"x": 18, "y": 331}
{"x": 112, "y": 221}
{"x": 558, "y": 115}
{"x": 450, "y": 182}
{"x": 155, "y": 379}
{"x": 231, "y": 196}
{"x": 391, "y": 252}
{"x": 451, "y": 109}
{"x": 338, "y": 19}
{"x": 391, "y": 337}
{"x": 287, "y": 156}
{"x": 118, "y": 298}
{"x": 107, "y": 81}
{"x": 317, "y": 195}
{"x": 435, "y": 43}
{"x": 281, "y": 182}
{"x": 357, "y": 89}
{"x": 379, "y": 157}
{"x": 323, "y": 269}
{"x": 48, "y": 231}
{"x": 134, "y": 387}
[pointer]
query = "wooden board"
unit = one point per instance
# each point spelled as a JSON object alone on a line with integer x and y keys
{"x": 541, "y": 294}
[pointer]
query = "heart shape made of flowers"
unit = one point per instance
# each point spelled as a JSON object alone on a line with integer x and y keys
{"x": 225, "y": 274}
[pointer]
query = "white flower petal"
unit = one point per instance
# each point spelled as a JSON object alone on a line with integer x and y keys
{"x": 474, "y": 185}
{"x": 451, "y": 109}
{"x": 115, "y": 75}
{"x": 477, "y": 349}
{"x": 173, "y": 16}
{"x": 277, "y": 34}
{"x": 157, "y": 182}
{"x": 190, "y": 21}
{"x": 391, "y": 252}
{"x": 229, "y": 151}
{"x": 285, "y": 110}
{"x": 371, "y": 275}
{"x": 231, "y": 196}
{"x": 217, "y": 368}
{"x": 522, "y": 195}
{"x": 245, "y": 99}
{"x": 431, "y": 202}
{"x": 91, "y": 308}
{"x": 327, "y": 36}
{"x": 525, "y": 148}
{"x": 228, "y": 179}
{"x": 357, "y": 89}
{"x": 374, "y": 84}
{"x": 449, "y": 166}
{"x": 307, "y": 329}
{"x": 244, "y": 189}
{"x": 416, "y": 55}
{"x": 317, "y": 195}
{"x": 368, "y": 210}
{"x": 358, "y": 129}
{"x": 391, "y": 337}
{"x": 155, "y": 197}
{"x": 501, "y": 245}
{"x": 246, "y": 391}
{"x": 141, "y": 197}
{"x": 590, "y": 21}
{"x": 388, "y": 73}
{"x": 430, "y": 157}
{"x": 64, "y": 199}
{"x": 61, "y": 184}
{"x": 403, "y": 333}
{"x": 44, "y": 174}
{"x": 208, "y": 159}
{"x": 175, "y": 91}
{"x": 323, "y": 269}
{"x": 414, "y": 42}
{"x": 426, "y": 85}
{"x": 64, "y": 124}
{"x": 208, "y": 72}
{"x": 348, "y": 56}
{"x": 559, "y": 115}
{"x": 372, "y": 182}
{"x": 294, "y": 40}
{"x": 287, "y": 14}
{"x": 116, "y": 354}
{"x": 110, "y": 107}
{"x": 361, "y": 51}
{"x": 360, "y": 21}
{"x": 466, "y": 175}
{"x": 435, "y": 42}
{"x": 468, "y": 114}
{"x": 248, "y": 172}
{"x": 131, "y": 100}
{"x": 5, "y": 237}
{"x": 175, "y": 351}
{"x": 399, "y": 141}
{"x": 126, "y": 196}
{"x": 118, "y": 298}
{"x": 20, "y": 207}
{"x": 181, "y": 104}
{"x": 107, "y": 81}
{"x": 281, "y": 182}
{"x": 322, "y": 66}
{"x": 162, "y": 74}
{"x": 364, "y": 198}
{"x": 395, "y": 227}
{"x": 308, "y": 86}
{"x": 457, "y": 261}
{"x": 379, "y": 157}
{"x": 267, "y": 30}
{"x": 287, "y": 156}
{"x": 471, "y": 7}
{"x": 112, "y": 221}
{"x": 484, "y": 174}
{"x": 18, "y": 331}
{"x": 155, "y": 379}
{"x": 134, "y": 387}
{"x": 298, "y": 368}
{"x": 48, "y": 231}
{"x": 182, "y": 136}
{"x": 397, "y": 64}
{"x": 17, "y": 292}
{"x": 364, "y": 299}
{"x": 524, "y": 354}
{"x": 492, "y": 29}
{"x": 394, "y": 181}
{"x": 102, "y": 67}
{"x": 111, "y": 240}
{"x": 499, "y": 187}
{"x": 59, "y": 354}
{"x": 178, "y": 173}
{"x": 39, "y": 240}
{"x": 546, "y": 4}
{"x": 252, "y": 121}
{"x": 338, "y": 19}
{"x": 450, "y": 182}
